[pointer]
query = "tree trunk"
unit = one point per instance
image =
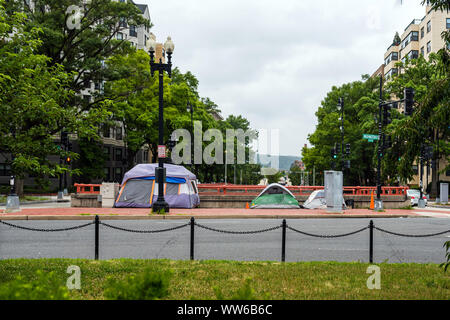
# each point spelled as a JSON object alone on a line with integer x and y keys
{"x": 19, "y": 186}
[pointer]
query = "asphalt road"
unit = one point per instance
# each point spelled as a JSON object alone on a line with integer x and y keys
{"x": 17, "y": 243}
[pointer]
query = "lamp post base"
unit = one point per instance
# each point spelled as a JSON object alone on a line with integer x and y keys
{"x": 60, "y": 197}
{"x": 421, "y": 203}
{"x": 160, "y": 207}
{"x": 12, "y": 204}
{"x": 378, "y": 205}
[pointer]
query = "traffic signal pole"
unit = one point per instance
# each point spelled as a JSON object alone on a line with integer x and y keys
{"x": 341, "y": 103}
{"x": 379, "y": 202}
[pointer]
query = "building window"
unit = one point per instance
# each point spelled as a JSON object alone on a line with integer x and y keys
{"x": 145, "y": 155}
{"x": 106, "y": 131}
{"x": 428, "y": 26}
{"x": 118, "y": 174}
{"x": 448, "y": 23}
{"x": 5, "y": 169}
{"x": 429, "y": 47}
{"x": 422, "y": 51}
{"x": 413, "y": 54}
{"x": 391, "y": 72}
{"x": 122, "y": 23}
{"x": 392, "y": 57}
{"x": 107, "y": 174}
{"x": 87, "y": 82}
{"x": 119, "y": 36}
{"x": 133, "y": 32}
{"x": 118, "y": 155}
{"x": 107, "y": 152}
{"x": 87, "y": 98}
{"x": 422, "y": 32}
{"x": 415, "y": 169}
{"x": 119, "y": 133}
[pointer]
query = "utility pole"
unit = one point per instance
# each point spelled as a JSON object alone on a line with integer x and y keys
{"x": 378, "y": 202}
{"x": 341, "y": 104}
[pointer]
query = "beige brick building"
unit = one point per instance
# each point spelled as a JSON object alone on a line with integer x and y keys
{"x": 420, "y": 37}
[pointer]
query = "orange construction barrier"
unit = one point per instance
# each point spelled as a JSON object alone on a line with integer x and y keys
{"x": 247, "y": 206}
{"x": 372, "y": 202}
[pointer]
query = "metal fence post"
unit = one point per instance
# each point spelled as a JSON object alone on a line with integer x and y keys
{"x": 192, "y": 237}
{"x": 371, "y": 241}
{"x": 283, "y": 242}
{"x": 97, "y": 223}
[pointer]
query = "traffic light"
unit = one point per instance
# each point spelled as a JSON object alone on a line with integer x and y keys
{"x": 64, "y": 138}
{"x": 409, "y": 101}
{"x": 347, "y": 148}
{"x": 334, "y": 152}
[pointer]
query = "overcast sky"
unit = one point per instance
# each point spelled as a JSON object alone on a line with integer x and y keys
{"x": 274, "y": 61}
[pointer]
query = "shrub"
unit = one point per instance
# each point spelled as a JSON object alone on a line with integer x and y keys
{"x": 244, "y": 293}
{"x": 148, "y": 285}
{"x": 45, "y": 286}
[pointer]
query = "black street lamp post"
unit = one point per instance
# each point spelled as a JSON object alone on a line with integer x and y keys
{"x": 161, "y": 205}
{"x": 12, "y": 201}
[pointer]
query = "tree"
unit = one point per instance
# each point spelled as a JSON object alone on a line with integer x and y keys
{"x": 429, "y": 123}
{"x": 396, "y": 40}
{"x": 295, "y": 175}
{"x": 360, "y": 106}
{"x": 34, "y": 101}
{"x": 80, "y": 48}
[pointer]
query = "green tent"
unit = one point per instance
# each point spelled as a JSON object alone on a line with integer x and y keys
{"x": 275, "y": 196}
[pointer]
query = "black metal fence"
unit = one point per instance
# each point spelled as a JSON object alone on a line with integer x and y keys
{"x": 192, "y": 223}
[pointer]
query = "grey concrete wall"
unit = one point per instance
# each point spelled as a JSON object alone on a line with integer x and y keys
{"x": 363, "y": 202}
{"x": 85, "y": 201}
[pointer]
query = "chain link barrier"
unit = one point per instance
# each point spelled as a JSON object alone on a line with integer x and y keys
{"x": 326, "y": 236}
{"x": 145, "y": 231}
{"x": 412, "y": 235}
{"x": 47, "y": 230}
{"x": 236, "y": 232}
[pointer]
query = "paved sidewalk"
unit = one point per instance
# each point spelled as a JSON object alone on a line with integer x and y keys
{"x": 67, "y": 213}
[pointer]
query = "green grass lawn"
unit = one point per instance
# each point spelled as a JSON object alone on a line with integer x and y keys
{"x": 269, "y": 280}
{"x": 25, "y": 198}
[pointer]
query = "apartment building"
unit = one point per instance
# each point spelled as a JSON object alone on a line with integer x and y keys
{"x": 420, "y": 37}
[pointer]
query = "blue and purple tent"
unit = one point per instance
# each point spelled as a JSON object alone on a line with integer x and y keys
{"x": 139, "y": 188}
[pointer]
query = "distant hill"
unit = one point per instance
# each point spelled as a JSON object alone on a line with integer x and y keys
{"x": 284, "y": 162}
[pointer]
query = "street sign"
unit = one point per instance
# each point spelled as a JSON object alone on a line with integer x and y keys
{"x": 371, "y": 137}
{"x": 161, "y": 152}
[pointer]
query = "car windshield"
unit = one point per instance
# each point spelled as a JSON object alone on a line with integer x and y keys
{"x": 413, "y": 192}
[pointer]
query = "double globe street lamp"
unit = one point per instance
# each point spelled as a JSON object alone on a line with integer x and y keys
{"x": 161, "y": 205}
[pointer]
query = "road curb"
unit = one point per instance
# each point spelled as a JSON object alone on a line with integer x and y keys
{"x": 184, "y": 217}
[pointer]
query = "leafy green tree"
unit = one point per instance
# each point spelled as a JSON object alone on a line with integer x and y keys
{"x": 34, "y": 100}
{"x": 429, "y": 123}
{"x": 360, "y": 106}
{"x": 396, "y": 40}
{"x": 80, "y": 51}
{"x": 295, "y": 175}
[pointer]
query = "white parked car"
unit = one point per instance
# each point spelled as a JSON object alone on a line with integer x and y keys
{"x": 414, "y": 194}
